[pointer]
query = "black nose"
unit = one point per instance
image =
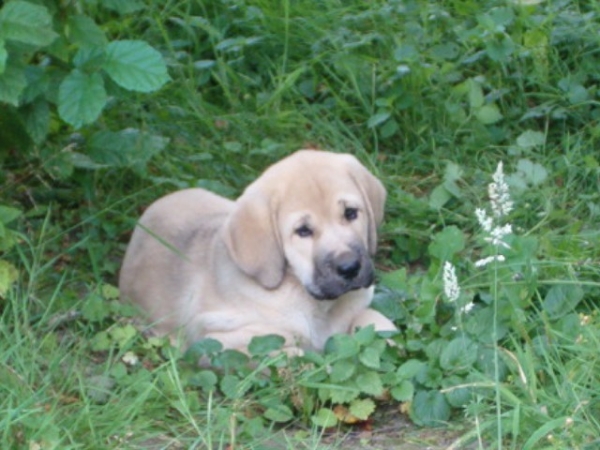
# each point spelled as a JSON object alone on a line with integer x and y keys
{"x": 348, "y": 266}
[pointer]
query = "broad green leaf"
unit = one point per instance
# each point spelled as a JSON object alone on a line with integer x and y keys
{"x": 344, "y": 393}
{"x": 396, "y": 280}
{"x": 8, "y": 275}
{"x": 453, "y": 172}
{"x": 459, "y": 355}
{"x": 342, "y": 370}
{"x": 410, "y": 369}
{"x": 27, "y": 23}
{"x": 83, "y": 31}
{"x": 531, "y": 138}
{"x": 89, "y": 59}
{"x": 390, "y": 305}
{"x": 533, "y": 173}
{"x": 203, "y": 347}
{"x": 279, "y": 413}
{"x": 231, "y": 359}
{"x": 561, "y": 299}
{"x": 12, "y": 84}
{"x": 313, "y": 357}
{"x": 263, "y": 345}
{"x": 362, "y": 408}
{"x": 365, "y": 335}
{"x": 439, "y": 197}
{"x": 577, "y": 94}
{"x": 231, "y": 386}
{"x": 81, "y": 98}
{"x": 370, "y": 383}
{"x": 342, "y": 346}
{"x": 489, "y": 365}
{"x": 8, "y": 238}
{"x": 378, "y": 118}
{"x": 38, "y": 84}
{"x": 502, "y": 16}
{"x": 480, "y": 324}
{"x": 389, "y": 129}
{"x": 101, "y": 341}
{"x": 404, "y": 392}
{"x": 455, "y": 110}
{"x": 36, "y": 117}
{"x": 500, "y": 49}
{"x": 135, "y": 66}
{"x": 99, "y": 388}
{"x": 570, "y": 327}
{"x": 371, "y": 357}
{"x": 457, "y": 397}
{"x": 434, "y": 348}
{"x": 205, "y": 379}
{"x": 406, "y": 52}
{"x": 119, "y": 370}
{"x": 94, "y": 308}
{"x": 447, "y": 243}
{"x": 8, "y": 214}
{"x": 430, "y": 376}
{"x": 446, "y": 50}
{"x": 122, "y": 335}
{"x": 488, "y": 114}
{"x": 109, "y": 292}
{"x": 430, "y": 408}
{"x": 324, "y": 418}
{"x": 124, "y": 6}
{"x": 475, "y": 94}
{"x": 125, "y": 148}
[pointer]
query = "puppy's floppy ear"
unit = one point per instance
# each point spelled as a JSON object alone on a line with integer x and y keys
{"x": 373, "y": 194}
{"x": 252, "y": 238}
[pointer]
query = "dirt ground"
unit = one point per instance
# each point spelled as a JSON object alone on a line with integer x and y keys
{"x": 392, "y": 430}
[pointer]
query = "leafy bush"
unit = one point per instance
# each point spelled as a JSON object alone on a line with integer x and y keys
{"x": 58, "y": 65}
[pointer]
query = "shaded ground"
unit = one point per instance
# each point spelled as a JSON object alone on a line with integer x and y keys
{"x": 390, "y": 430}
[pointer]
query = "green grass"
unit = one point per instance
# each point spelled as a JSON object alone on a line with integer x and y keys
{"x": 430, "y": 96}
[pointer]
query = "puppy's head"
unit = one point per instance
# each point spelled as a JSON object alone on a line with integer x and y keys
{"x": 313, "y": 215}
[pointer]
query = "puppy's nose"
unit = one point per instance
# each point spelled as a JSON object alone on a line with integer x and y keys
{"x": 348, "y": 266}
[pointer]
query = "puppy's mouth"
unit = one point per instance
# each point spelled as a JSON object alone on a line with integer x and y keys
{"x": 336, "y": 275}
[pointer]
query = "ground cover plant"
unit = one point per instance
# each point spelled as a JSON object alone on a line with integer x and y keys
{"x": 480, "y": 117}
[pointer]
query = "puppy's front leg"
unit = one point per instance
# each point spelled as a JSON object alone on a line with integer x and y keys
{"x": 240, "y": 340}
{"x": 371, "y": 317}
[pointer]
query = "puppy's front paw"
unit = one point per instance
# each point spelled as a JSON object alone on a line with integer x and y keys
{"x": 371, "y": 317}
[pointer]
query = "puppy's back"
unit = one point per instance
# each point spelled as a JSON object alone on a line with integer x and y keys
{"x": 173, "y": 232}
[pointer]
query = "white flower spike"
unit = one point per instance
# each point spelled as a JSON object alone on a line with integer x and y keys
{"x": 499, "y": 195}
{"x": 485, "y": 261}
{"x": 501, "y": 206}
{"x": 451, "y": 287}
{"x": 484, "y": 220}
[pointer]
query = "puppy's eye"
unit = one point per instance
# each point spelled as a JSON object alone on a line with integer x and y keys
{"x": 304, "y": 231}
{"x": 350, "y": 214}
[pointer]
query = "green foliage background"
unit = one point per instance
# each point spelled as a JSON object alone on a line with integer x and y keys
{"x": 106, "y": 105}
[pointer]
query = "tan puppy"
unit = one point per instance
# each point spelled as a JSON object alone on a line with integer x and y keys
{"x": 290, "y": 257}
